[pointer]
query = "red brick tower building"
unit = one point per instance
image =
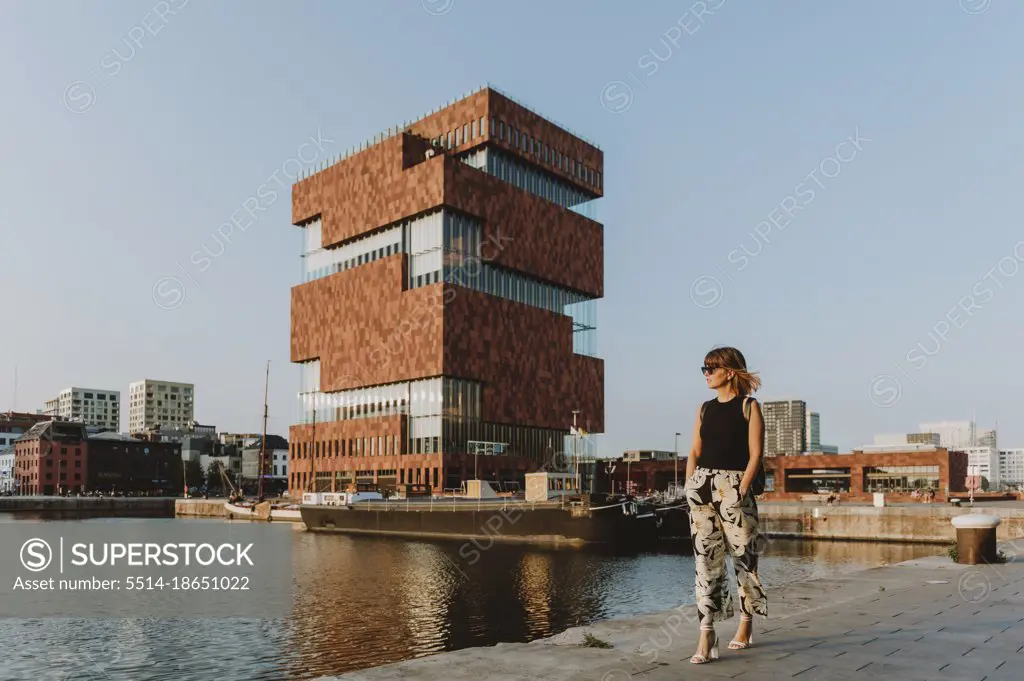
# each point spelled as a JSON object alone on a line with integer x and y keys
{"x": 450, "y": 281}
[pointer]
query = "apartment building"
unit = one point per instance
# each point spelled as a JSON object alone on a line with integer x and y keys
{"x": 983, "y": 462}
{"x": 1011, "y": 466}
{"x": 160, "y": 404}
{"x": 96, "y": 407}
{"x": 785, "y": 427}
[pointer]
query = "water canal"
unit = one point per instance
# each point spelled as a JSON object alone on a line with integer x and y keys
{"x": 364, "y": 601}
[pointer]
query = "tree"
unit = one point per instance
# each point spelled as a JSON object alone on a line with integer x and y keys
{"x": 193, "y": 474}
{"x": 213, "y": 476}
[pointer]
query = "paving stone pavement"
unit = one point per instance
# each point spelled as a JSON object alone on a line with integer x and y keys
{"x": 923, "y": 620}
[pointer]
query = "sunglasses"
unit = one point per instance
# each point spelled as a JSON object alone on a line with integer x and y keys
{"x": 709, "y": 370}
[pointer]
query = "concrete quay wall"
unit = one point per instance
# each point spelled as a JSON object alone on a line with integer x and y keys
{"x": 918, "y": 523}
{"x": 114, "y": 506}
{"x": 200, "y": 508}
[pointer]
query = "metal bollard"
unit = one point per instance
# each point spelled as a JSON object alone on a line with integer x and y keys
{"x": 976, "y": 538}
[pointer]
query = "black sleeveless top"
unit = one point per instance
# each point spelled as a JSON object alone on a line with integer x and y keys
{"x": 724, "y": 435}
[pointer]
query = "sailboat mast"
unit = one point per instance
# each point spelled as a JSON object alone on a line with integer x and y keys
{"x": 263, "y": 442}
{"x": 312, "y": 451}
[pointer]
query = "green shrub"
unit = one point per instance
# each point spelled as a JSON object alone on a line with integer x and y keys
{"x": 591, "y": 641}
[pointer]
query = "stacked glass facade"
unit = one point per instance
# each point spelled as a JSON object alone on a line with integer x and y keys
{"x": 318, "y": 262}
{"x": 446, "y": 245}
{"x": 533, "y": 180}
{"x": 444, "y": 414}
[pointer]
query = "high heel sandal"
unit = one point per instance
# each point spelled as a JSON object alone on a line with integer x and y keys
{"x": 712, "y": 653}
{"x": 741, "y": 645}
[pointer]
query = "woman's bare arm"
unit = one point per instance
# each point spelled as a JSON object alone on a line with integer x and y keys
{"x": 755, "y": 431}
{"x": 691, "y": 461}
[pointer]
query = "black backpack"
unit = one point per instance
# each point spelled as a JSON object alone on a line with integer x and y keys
{"x": 757, "y": 485}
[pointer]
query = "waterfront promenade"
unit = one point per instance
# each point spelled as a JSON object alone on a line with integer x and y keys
{"x": 921, "y": 620}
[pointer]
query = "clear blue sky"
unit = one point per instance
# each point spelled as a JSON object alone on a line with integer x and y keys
{"x": 98, "y": 205}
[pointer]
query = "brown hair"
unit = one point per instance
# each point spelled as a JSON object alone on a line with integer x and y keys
{"x": 744, "y": 382}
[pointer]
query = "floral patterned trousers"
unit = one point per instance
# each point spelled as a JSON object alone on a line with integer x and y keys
{"x": 720, "y": 520}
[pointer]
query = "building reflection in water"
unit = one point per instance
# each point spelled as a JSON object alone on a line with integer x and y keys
{"x": 535, "y": 589}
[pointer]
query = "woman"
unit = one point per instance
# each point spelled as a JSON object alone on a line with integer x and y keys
{"x": 728, "y": 439}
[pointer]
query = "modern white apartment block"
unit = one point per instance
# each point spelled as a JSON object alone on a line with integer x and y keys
{"x": 1011, "y": 466}
{"x": 984, "y": 462}
{"x": 957, "y": 435}
{"x": 162, "y": 404}
{"x": 91, "y": 406}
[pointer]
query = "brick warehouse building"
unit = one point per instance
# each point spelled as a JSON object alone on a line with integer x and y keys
{"x": 58, "y": 456}
{"x": 51, "y": 457}
{"x": 856, "y": 476}
{"x": 450, "y": 278}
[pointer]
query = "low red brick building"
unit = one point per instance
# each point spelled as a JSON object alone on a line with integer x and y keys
{"x": 51, "y": 458}
{"x": 858, "y": 475}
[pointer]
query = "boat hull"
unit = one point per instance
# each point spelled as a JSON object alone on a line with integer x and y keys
{"x": 264, "y": 512}
{"x": 511, "y": 523}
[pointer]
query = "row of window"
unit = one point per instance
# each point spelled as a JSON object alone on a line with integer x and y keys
{"x": 900, "y": 470}
{"x": 518, "y": 174}
{"x": 539, "y": 444}
{"x": 379, "y": 445}
{"x": 29, "y": 465}
{"x": 538, "y": 150}
{"x": 461, "y": 135}
{"x": 337, "y": 265}
{"x": 75, "y": 451}
{"x": 99, "y": 396}
{"x": 339, "y": 480}
{"x": 49, "y": 476}
{"x": 542, "y": 153}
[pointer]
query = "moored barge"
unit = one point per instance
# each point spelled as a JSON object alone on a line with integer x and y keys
{"x": 481, "y": 514}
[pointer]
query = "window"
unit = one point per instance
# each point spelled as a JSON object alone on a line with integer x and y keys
{"x": 483, "y": 125}
{"x": 458, "y": 136}
{"x": 501, "y": 131}
{"x": 465, "y": 132}
{"x": 474, "y": 130}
